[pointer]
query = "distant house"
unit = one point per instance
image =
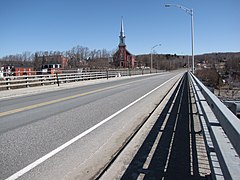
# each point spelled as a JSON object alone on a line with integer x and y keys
{"x": 123, "y": 58}
{"x": 10, "y": 70}
{"x": 21, "y": 71}
{"x": 54, "y": 59}
{"x": 220, "y": 68}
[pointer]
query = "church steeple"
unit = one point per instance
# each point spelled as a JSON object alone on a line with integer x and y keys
{"x": 122, "y": 36}
{"x": 123, "y": 58}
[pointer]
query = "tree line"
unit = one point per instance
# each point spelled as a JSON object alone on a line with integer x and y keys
{"x": 82, "y": 57}
{"x": 162, "y": 61}
{"x": 76, "y": 57}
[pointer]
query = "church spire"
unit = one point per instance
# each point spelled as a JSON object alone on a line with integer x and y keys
{"x": 122, "y": 36}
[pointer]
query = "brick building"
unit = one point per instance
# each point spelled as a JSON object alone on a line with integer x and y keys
{"x": 123, "y": 58}
{"x": 54, "y": 59}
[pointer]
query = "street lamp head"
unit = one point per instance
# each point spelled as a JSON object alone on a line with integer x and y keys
{"x": 155, "y": 46}
{"x": 167, "y": 5}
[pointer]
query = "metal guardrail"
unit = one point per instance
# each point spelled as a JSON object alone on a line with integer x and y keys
{"x": 221, "y": 130}
{"x": 10, "y": 82}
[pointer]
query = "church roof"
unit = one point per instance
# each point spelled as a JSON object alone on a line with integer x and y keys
{"x": 128, "y": 53}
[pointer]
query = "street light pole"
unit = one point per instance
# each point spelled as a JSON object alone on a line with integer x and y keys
{"x": 192, "y": 32}
{"x": 190, "y": 12}
{"x": 151, "y": 56}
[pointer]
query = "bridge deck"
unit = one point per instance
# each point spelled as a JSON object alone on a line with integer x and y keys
{"x": 174, "y": 147}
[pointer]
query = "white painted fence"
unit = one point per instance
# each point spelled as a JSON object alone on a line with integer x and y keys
{"x": 13, "y": 82}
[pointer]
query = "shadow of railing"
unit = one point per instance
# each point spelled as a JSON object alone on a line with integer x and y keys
{"x": 169, "y": 150}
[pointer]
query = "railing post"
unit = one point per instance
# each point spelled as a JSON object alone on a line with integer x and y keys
{"x": 57, "y": 78}
{"x": 8, "y": 84}
{"x": 42, "y": 84}
{"x": 107, "y": 73}
{"x": 27, "y": 85}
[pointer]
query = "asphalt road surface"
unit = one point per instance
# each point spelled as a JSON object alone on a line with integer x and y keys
{"x": 53, "y": 135}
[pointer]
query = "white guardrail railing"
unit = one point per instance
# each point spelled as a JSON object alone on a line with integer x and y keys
{"x": 221, "y": 130}
{"x": 13, "y": 82}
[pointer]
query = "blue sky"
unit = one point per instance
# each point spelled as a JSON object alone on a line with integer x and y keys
{"x": 39, "y": 25}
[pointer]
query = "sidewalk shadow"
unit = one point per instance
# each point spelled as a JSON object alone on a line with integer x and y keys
{"x": 172, "y": 156}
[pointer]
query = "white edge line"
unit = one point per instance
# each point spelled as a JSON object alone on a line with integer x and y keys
{"x": 55, "y": 151}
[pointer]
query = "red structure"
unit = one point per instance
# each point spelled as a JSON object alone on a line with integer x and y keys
{"x": 123, "y": 58}
{"x": 9, "y": 70}
{"x": 20, "y": 71}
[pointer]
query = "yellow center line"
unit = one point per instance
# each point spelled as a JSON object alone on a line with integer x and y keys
{"x": 57, "y": 100}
